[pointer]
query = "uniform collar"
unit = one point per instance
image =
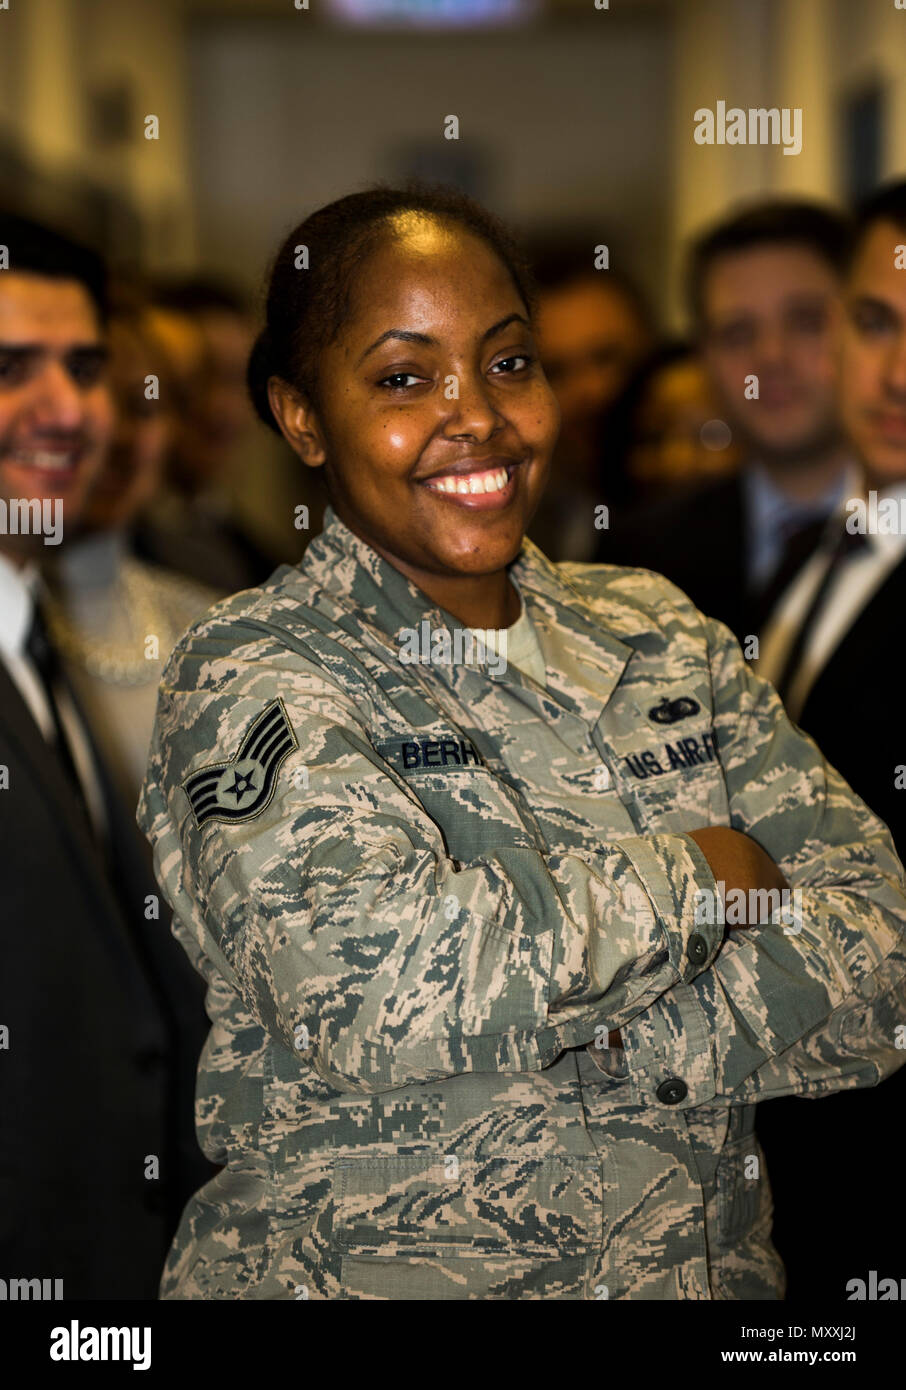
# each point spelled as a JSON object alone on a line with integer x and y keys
{"x": 589, "y": 659}
{"x": 345, "y": 567}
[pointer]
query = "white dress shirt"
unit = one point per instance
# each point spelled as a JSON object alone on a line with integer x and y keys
{"x": 18, "y": 589}
{"x": 851, "y": 589}
{"x": 17, "y": 606}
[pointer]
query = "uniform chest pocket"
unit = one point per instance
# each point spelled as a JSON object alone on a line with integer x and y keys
{"x": 675, "y": 779}
{"x": 475, "y": 810}
{"x": 441, "y": 1227}
{"x": 445, "y": 1205}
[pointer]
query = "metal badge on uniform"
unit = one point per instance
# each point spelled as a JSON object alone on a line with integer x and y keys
{"x": 668, "y": 711}
{"x": 240, "y": 789}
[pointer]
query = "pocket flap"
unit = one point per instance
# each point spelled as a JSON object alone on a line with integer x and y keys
{"x": 443, "y": 1205}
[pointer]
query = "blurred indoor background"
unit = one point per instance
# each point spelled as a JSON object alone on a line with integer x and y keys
{"x": 570, "y": 115}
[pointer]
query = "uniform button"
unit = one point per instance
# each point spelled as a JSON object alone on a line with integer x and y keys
{"x": 673, "y": 1091}
{"x": 697, "y": 949}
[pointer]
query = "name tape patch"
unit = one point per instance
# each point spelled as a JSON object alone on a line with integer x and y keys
{"x": 419, "y": 754}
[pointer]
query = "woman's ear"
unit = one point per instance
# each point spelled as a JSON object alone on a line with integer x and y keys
{"x": 298, "y": 422}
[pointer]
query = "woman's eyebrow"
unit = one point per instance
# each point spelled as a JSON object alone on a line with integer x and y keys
{"x": 405, "y": 335}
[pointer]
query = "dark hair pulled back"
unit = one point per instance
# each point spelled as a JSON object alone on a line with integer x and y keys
{"x": 306, "y": 308}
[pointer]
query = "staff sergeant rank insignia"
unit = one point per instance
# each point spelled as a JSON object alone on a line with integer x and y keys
{"x": 240, "y": 789}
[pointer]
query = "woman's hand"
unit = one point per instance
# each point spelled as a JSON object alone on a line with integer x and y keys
{"x": 737, "y": 861}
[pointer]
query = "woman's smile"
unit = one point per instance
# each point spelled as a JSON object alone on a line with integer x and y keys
{"x": 477, "y": 485}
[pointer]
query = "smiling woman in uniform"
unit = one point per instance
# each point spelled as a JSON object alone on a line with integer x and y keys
{"x": 478, "y": 1027}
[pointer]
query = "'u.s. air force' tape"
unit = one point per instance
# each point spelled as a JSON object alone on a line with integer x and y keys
{"x": 241, "y": 789}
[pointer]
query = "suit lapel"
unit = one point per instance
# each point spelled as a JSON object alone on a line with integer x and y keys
{"x": 858, "y": 647}
{"x": 117, "y": 927}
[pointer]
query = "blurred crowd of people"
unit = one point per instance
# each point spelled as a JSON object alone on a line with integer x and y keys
{"x": 724, "y": 460}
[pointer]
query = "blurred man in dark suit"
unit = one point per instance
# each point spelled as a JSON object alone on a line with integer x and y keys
{"x": 103, "y": 1020}
{"x": 833, "y": 649}
{"x": 764, "y": 299}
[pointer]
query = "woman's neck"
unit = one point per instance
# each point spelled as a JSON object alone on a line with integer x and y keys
{"x": 479, "y": 600}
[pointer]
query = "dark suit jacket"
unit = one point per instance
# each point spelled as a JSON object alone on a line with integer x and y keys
{"x": 106, "y": 1022}
{"x": 698, "y": 540}
{"x": 839, "y": 1208}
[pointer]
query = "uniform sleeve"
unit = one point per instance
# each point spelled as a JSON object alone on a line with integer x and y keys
{"x": 813, "y": 1003}
{"x": 351, "y": 934}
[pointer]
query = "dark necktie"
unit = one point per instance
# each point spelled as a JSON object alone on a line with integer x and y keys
{"x": 798, "y": 544}
{"x": 847, "y": 544}
{"x": 44, "y": 658}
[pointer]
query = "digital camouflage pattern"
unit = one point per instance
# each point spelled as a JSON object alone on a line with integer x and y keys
{"x": 457, "y": 883}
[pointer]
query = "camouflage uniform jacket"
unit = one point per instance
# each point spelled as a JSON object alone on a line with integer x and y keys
{"x": 422, "y": 892}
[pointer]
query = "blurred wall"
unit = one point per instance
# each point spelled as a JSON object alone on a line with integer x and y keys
{"x": 555, "y": 123}
{"x": 585, "y": 116}
{"x": 77, "y": 79}
{"x": 812, "y": 54}
{"x": 262, "y": 117}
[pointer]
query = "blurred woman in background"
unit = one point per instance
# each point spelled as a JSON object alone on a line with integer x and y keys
{"x": 663, "y": 432}
{"x": 116, "y": 617}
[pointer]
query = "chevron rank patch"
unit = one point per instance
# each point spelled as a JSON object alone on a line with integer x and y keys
{"x": 241, "y": 789}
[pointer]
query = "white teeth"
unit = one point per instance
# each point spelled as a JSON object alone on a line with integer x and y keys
{"x": 472, "y": 483}
{"x": 54, "y": 463}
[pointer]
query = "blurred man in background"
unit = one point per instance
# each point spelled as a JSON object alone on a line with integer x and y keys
{"x": 104, "y": 1015}
{"x": 764, "y": 298}
{"x": 192, "y": 524}
{"x": 593, "y": 329}
{"x": 832, "y": 648}
{"x": 115, "y": 617}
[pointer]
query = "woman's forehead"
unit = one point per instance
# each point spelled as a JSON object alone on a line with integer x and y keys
{"x": 425, "y": 278}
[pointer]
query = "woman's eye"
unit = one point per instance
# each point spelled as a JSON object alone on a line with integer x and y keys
{"x": 508, "y": 363}
{"x": 399, "y": 381}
